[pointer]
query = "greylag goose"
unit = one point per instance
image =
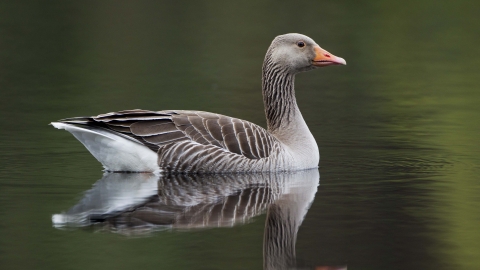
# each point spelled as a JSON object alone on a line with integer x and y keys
{"x": 202, "y": 142}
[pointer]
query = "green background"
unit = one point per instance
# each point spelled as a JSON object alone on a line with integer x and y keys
{"x": 398, "y": 128}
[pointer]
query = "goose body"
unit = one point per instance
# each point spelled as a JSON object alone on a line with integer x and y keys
{"x": 201, "y": 142}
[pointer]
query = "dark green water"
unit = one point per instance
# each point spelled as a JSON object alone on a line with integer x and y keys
{"x": 398, "y": 127}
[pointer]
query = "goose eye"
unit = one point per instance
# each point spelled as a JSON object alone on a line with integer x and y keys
{"x": 301, "y": 44}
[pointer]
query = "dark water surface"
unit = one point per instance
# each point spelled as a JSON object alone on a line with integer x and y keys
{"x": 398, "y": 130}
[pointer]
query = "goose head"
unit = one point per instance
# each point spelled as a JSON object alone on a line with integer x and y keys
{"x": 297, "y": 53}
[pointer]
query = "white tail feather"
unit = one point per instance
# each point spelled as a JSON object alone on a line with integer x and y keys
{"x": 115, "y": 152}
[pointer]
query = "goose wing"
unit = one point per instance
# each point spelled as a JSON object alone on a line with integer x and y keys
{"x": 159, "y": 128}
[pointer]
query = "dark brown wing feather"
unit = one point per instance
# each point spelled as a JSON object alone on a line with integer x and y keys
{"x": 158, "y": 128}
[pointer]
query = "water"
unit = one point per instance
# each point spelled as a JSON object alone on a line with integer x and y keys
{"x": 397, "y": 127}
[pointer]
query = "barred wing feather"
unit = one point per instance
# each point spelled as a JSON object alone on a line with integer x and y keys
{"x": 181, "y": 137}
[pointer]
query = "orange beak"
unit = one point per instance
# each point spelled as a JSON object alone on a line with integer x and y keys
{"x": 324, "y": 58}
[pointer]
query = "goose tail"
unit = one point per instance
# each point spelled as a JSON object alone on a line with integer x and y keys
{"x": 116, "y": 152}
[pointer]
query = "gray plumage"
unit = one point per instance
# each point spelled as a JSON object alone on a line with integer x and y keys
{"x": 201, "y": 142}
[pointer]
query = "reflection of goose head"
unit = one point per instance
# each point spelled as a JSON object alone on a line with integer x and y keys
{"x": 136, "y": 203}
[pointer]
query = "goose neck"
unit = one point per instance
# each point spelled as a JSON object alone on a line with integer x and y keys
{"x": 278, "y": 96}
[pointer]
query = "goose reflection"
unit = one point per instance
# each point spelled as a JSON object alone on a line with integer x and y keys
{"x": 142, "y": 203}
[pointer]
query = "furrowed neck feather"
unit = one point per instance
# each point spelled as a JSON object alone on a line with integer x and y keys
{"x": 278, "y": 94}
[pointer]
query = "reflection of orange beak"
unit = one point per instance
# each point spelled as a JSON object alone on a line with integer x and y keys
{"x": 324, "y": 58}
